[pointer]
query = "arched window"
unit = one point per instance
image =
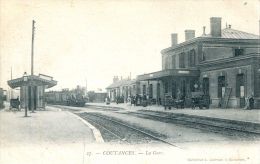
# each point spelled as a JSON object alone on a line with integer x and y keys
{"x": 192, "y": 58}
{"x": 181, "y": 60}
{"x": 173, "y": 61}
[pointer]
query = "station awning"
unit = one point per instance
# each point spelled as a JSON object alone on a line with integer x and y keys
{"x": 32, "y": 80}
{"x": 169, "y": 72}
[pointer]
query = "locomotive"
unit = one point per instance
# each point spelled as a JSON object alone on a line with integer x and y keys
{"x": 75, "y": 97}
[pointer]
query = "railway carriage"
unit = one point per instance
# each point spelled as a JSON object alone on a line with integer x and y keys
{"x": 66, "y": 97}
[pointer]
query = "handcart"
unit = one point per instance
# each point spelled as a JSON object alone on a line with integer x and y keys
{"x": 199, "y": 99}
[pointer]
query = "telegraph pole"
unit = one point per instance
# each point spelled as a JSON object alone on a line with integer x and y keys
{"x": 33, "y": 29}
{"x": 32, "y": 55}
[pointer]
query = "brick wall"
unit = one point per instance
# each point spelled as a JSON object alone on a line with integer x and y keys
{"x": 250, "y": 50}
{"x": 213, "y": 53}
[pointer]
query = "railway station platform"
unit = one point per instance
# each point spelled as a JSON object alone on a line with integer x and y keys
{"x": 50, "y": 136}
{"x": 251, "y": 116}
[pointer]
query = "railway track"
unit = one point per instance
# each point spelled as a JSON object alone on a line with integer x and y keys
{"x": 234, "y": 129}
{"x": 103, "y": 108}
{"x": 115, "y": 130}
{"x": 199, "y": 123}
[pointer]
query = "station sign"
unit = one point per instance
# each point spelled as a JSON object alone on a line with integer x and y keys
{"x": 184, "y": 72}
{"x": 45, "y": 77}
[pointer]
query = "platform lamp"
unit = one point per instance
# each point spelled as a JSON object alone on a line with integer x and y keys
{"x": 25, "y": 79}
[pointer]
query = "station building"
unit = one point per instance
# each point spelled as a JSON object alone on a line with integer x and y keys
{"x": 224, "y": 64}
{"x": 123, "y": 88}
{"x": 99, "y": 96}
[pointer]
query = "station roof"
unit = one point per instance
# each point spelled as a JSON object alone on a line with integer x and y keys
{"x": 227, "y": 34}
{"x": 167, "y": 73}
{"x": 230, "y": 33}
{"x": 119, "y": 83}
{"x": 32, "y": 80}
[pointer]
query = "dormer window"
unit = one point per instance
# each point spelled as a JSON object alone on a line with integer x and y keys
{"x": 239, "y": 52}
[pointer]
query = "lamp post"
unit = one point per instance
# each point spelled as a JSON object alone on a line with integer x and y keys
{"x": 25, "y": 79}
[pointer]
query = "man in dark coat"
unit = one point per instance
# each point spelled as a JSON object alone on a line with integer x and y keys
{"x": 251, "y": 102}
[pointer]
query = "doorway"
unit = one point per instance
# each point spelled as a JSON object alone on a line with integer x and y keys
{"x": 174, "y": 89}
{"x": 221, "y": 86}
{"x": 205, "y": 86}
{"x": 240, "y": 89}
{"x": 150, "y": 90}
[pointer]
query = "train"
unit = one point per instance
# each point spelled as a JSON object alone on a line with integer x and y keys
{"x": 75, "y": 97}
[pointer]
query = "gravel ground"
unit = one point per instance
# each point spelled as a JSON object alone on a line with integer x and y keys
{"x": 205, "y": 124}
{"x": 174, "y": 133}
{"x": 120, "y": 133}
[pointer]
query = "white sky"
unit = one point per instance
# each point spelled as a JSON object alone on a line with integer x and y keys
{"x": 95, "y": 40}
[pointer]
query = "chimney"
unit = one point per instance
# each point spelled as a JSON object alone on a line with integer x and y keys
{"x": 189, "y": 34}
{"x": 204, "y": 30}
{"x": 174, "y": 39}
{"x": 215, "y": 26}
{"x": 115, "y": 79}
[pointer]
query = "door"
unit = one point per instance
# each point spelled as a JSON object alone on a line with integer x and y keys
{"x": 150, "y": 90}
{"x": 221, "y": 86}
{"x": 205, "y": 86}
{"x": 174, "y": 89}
{"x": 35, "y": 97}
{"x": 183, "y": 88}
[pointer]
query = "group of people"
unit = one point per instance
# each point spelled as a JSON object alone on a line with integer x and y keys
{"x": 143, "y": 100}
{"x": 136, "y": 100}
